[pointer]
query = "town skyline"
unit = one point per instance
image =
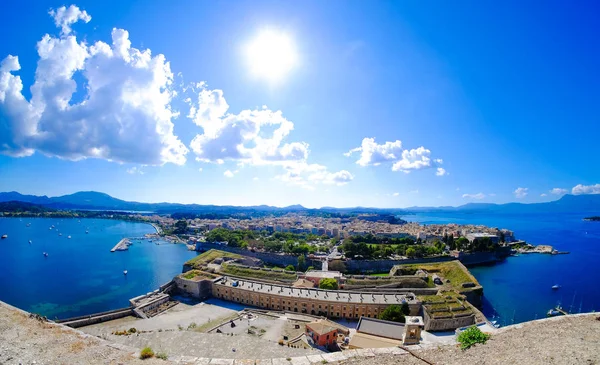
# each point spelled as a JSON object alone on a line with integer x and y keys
{"x": 283, "y": 107}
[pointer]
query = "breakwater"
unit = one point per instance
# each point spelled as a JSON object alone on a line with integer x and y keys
{"x": 123, "y": 245}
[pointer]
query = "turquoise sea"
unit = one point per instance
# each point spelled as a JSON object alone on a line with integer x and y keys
{"x": 80, "y": 275}
{"x": 518, "y": 289}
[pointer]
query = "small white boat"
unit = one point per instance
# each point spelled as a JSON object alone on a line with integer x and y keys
{"x": 28, "y": 224}
{"x": 29, "y": 241}
{"x": 124, "y": 272}
{"x": 86, "y": 232}
{"x": 555, "y": 287}
{"x": 50, "y": 228}
{"x": 45, "y": 254}
{"x": 60, "y": 234}
{"x": 69, "y": 237}
{"x": 4, "y": 236}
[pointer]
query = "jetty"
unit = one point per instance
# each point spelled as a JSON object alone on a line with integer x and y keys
{"x": 123, "y": 245}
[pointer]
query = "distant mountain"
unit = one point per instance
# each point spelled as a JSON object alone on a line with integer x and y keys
{"x": 92, "y": 200}
{"x": 566, "y": 204}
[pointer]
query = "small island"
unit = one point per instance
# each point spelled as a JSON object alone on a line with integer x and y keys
{"x": 592, "y": 219}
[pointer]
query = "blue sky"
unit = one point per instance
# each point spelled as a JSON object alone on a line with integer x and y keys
{"x": 490, "y": 102}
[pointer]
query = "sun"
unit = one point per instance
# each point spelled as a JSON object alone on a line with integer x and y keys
{"x": 271, "y": 55}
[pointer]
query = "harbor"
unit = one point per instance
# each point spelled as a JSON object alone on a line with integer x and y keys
{"x": 123, "y": 245}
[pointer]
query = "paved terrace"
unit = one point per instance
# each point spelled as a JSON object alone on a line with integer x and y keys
{"x": 319, "y": 294}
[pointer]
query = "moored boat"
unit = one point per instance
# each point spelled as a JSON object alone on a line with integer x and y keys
{"x": 555, "y": 287}
{"x": 124, "y": 272}
{"x": 4, "y": 236}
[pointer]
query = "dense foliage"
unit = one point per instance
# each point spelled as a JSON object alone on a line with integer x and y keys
{"x": 373, "y": 247}
{"x": 328, "y": 284}
{"x": 472, "y": 336}
{"x": 394, "y": 313}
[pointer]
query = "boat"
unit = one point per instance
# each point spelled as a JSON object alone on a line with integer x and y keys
{"x": 124, "y": 272}
{"x": 555, "y": 287}
{"x": 69, "y": 237}
{"x": 29, "y": 241}
{"x": 45, "y": 254}
{"x": 86, "y": 232}
{"x": 60, "y": 234}
{"x": 28, "y": 224}
{"x": 4, "y": 236}
{"x": 50, "y": 228}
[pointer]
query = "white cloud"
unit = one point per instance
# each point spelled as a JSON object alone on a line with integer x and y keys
{"x": 521, "y": 192}
{"x": 586, "y": 189}
{"x": 135, "y": 170}
{"x": 395, "y": 194}
{"x": 125, "y": 110}
{"x": 559, "y": 191}
{"x": 200, "y": 169}
{"x": 373, "y": 154}
{"x": 255, "y": 178}
{"x": 254, "y": 138}
{"x": 228, "y": 173}
{"x": 64, "y": 17}
{"x": 309, "y": 175}
{"x": 543, "y": 195}
{"x": 478, "y": 196}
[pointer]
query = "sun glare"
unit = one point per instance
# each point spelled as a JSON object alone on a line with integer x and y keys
{"x": 271, "y": 55}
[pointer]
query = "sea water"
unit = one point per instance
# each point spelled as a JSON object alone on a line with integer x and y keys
{"x": 80, "y": 275}
{"x": 519, "y": 288}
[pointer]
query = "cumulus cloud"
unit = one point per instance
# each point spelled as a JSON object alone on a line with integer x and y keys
{"x": 65, "y": 17}
{"x": 543, "y": 195}
{"x": 254, "y": 138}
{"x": 395, "y": 194}
{"x": 478, "y": 196}
{"x": 309, "y": 175}
{"x": 521, "y": 192}
{"x": 373, "y": 154}
{"x": 200, "y": 169}
{"x": 228, "y": 173}
{"x": 586, "y": 189}
{"x": 559, "y": 191}
{"x": 124, "y": 115}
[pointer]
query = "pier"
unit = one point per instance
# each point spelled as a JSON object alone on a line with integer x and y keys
{"x": 123, "y": 245}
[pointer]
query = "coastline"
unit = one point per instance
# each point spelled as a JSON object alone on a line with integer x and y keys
{"x": 156, "y": 228}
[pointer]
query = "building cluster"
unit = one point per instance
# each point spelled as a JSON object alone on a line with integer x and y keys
{"x": 346, "y": 227}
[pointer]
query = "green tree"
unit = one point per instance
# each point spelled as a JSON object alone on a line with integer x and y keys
{"x": 180, "y": 226}
{"x": 405, "y": 309}
{"x": 310, "y": 268}
{"x": 328, "y": 283}
{"x": 462, "y": 243}
{"x": 290, "y": 268}
{"x": 393, "y": 313}
{"x": 301, "y": 263}
{"x": 411, "y": 252}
